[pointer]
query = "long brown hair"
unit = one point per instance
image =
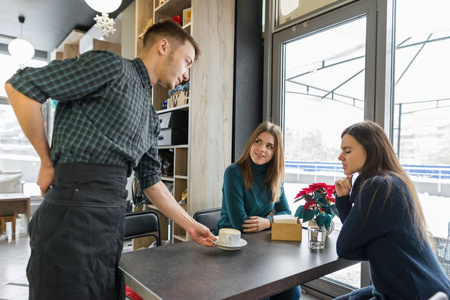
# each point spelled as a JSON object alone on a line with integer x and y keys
{"x": 382, "y": 161}
{"x": 275, "y": 170}
{"x": 170, "y": 30}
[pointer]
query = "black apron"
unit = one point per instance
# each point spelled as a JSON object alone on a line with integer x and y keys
{"x": 76, "y": 234}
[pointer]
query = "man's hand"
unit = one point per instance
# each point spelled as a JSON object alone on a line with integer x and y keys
{"x": 343, "y": 186}
{"x": 46, "y": 178}
{"x": 202, "y": 235}
{"x": 255, "y": 224}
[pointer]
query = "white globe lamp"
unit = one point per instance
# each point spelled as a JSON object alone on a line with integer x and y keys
{"x": 104, "y": 6}
{"x": 19, "y": 48}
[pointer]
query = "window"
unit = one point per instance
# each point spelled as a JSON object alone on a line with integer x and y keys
{"x": 324, "y": 93}
{"x": 402, "y": 84}
{"x": 19, "y": 163}
{"x": 291, "y": 9}
{"x": 324, "y": 81}
{"x": 422, "y": 104}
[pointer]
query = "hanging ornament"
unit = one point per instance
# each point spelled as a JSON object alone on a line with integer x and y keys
{"x": 104, "y": 21}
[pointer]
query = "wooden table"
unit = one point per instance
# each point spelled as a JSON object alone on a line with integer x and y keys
{"x": 15, "y": 203}
{"x": 260, "y": 269}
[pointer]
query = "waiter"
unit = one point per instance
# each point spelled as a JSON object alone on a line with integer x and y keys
{"x": 105, "y": 126}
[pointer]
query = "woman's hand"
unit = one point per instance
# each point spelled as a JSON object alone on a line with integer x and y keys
{"x": 255, "y": 224}
{"x": 343, "y": 186}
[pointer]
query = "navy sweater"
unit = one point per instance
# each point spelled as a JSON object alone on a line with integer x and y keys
{"x": 383, "y": 234}
{"x": 238, "y": 204}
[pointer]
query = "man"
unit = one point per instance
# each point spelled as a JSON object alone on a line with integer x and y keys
{"x": 105, "y": 125}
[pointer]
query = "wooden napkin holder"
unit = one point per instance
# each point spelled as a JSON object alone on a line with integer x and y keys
{"x": 287, "y": 232}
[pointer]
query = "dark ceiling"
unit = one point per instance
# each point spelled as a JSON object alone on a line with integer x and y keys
{"x": 47, "y": 22}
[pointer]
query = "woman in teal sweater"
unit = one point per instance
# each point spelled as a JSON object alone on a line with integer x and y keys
{"x": 383, "y": 221}
{"x": 252, "y": 188}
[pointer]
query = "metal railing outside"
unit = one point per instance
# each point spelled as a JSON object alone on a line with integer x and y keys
{"x": 422, "y": 171}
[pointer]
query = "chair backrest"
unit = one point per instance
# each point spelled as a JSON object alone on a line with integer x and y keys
{"x": 208, "y": 217}
{"x": 141, "y": 224}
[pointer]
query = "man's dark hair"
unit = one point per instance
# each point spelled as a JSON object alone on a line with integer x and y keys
{"x": 170, "y": 30}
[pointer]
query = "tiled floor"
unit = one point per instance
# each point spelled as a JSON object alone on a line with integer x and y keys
{"x": 14, "y": 254}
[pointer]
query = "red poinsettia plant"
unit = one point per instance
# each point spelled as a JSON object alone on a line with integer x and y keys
{"x": 319, "y": 204}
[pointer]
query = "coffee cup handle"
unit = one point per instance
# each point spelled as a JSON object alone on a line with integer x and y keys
{"x": 228, "y": 239}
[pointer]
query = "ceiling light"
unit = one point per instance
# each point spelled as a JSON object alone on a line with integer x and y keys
{"x": 104, "y": 6}
{"x": 20, "y": 48}
{"x": 104, "y": 21}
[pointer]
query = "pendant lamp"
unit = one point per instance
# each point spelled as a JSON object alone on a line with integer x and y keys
{"x": 20, "y": 48}
{"x": 104, "y": 6}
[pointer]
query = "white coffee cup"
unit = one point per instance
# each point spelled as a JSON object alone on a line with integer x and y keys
{"x": 229, "y": 236}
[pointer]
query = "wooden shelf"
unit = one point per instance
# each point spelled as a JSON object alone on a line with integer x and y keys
{"x": 197, "y": 167}
{"x": 187, "y": 27}
{"x": 173, "y": 147}
{"x": 151, "y": 206}
{"x": 181, "y": 163}
{"x": 172, "y": 8}
{"x": 165, "y": 147}
{"x": 182, "y": 238}
{"x": 181, "y": 107}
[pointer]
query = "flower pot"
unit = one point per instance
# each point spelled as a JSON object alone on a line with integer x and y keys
{"x": 316, "y": 237}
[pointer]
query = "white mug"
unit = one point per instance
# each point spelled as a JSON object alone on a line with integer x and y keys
{"x": 229, "y": 236}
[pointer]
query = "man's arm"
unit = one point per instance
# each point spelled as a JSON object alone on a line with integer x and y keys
{"x": 164, "y": 201}
{"x": 29, "y": 115}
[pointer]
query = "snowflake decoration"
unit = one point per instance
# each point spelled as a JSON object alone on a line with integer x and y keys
{"x": 105, "y": 23}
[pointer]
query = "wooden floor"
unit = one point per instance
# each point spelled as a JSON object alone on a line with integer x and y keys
{"x": 14, "y": 254}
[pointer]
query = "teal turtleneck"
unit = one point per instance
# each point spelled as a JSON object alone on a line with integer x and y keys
{"x": 238, "y": 205}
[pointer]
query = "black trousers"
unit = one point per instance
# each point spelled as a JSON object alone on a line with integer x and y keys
{"x": 76, "y": 235}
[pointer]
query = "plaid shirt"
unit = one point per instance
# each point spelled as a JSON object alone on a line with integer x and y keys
{"x": 104, "y": 113}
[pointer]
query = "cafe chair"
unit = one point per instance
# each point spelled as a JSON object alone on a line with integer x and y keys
{"x": 141, "y": 224}
{"x": 208, "y": 217}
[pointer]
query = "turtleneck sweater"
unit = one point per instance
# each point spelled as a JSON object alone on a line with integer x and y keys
{"x": 238, "y": 205}
{"x": 383, "y": 233}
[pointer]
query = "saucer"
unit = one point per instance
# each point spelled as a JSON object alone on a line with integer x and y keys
{"x": 241, "y": 244}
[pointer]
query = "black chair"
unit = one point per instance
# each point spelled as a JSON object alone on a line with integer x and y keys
{"x": 142, "y": 223}
{"x": 208, "y": 217}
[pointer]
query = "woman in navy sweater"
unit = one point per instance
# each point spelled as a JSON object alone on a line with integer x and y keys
{"x": 252, "y": 188}
{"x": 383, "y": 220}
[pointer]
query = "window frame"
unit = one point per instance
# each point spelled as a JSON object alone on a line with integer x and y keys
{"x": 378, "y": 105}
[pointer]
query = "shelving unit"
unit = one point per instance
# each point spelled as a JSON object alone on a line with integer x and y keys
{"x": 70, "y": 46}
{"x": 199, "y": 164}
